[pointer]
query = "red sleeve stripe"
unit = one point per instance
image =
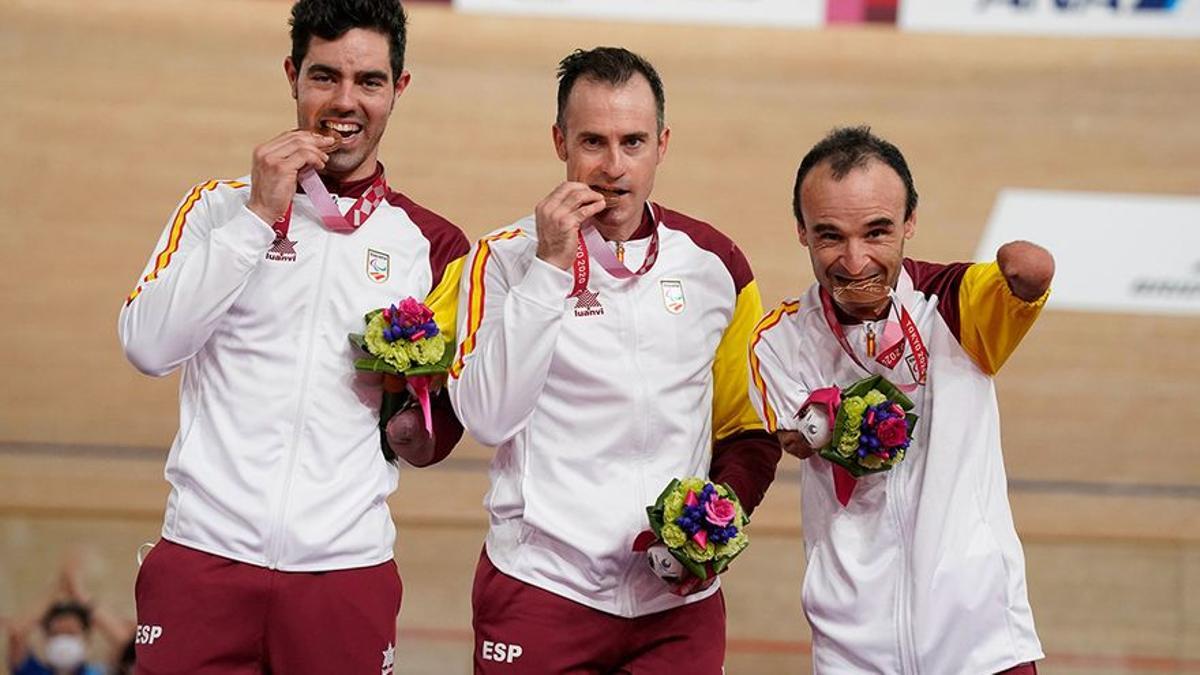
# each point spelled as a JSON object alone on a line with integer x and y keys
{"x": 476, "y": 291}
{"x": 769, "y": 321}
{"x": 177, "y": 222}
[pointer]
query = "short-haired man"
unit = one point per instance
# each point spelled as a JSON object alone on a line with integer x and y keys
{"x": 601, "y": 373}
{"x": 277, "y": 546}
{"x": 921, "y": 569}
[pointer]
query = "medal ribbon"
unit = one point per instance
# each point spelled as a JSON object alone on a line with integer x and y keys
{"x": 891, "y": 355}
{"x": 592, "y": 244}
{"x": 326, "y": 205}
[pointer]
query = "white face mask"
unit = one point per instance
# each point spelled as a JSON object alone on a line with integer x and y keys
{"x": 65, "y": 652}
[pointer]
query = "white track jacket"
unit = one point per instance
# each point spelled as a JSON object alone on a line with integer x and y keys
{"x": 277, "y": 461}
{"x": 922, "y": 572}
{"x": 595, "y": 403}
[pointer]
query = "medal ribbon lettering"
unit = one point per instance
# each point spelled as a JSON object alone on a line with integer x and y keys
{"x": 592, "y": 244}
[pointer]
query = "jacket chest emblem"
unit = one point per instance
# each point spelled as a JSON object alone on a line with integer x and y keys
{"x": 282, "y": 249}
{"x": 672, "y": 293}
{"x": 587, "y": 303}
{"x": 379, "y": 266}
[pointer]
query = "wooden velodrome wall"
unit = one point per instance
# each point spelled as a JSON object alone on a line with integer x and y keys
{"x": 113, "y": 109}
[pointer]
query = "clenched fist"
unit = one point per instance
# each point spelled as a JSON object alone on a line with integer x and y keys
{"x": 560, "y": 216}
{"x": 278, "y": 163}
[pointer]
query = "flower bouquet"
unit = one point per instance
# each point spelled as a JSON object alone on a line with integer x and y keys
{"x": 696, "y": 529}
{"x": 404, "y": 342}
{"x": 863, "y": 429}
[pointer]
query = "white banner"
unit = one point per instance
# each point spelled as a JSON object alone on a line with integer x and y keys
{"x": 1113, "y": 253}
{"x": 791, "y": 13}
{"x": 1134, "y": 18}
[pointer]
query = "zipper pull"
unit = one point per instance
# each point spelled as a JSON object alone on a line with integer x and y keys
{"x": 620, "y": 252}
{"x": 871, "y": 340}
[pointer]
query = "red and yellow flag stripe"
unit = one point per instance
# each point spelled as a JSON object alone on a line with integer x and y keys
{"x": 769, "y": 321}
{"x": 177, "y": 222}
{"x": 475, "y": 295}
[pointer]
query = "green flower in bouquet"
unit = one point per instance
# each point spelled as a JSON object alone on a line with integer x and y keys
{"x": 429, "y": 350}
{"x": 396, "y": 353}
{"x": 698, "y": 553}
{"x": 872, "y": 427}
{"x": 701, "y": 524}
{"x": 672, "y": 535}
{"x": 401, "y": 354}
{"x": 672, "y": 507}
{"x": 403, "y": 339}
{"x": 854, "y": 406}
{"x": 873, "y": 397}
{"x": 732, "y": 547}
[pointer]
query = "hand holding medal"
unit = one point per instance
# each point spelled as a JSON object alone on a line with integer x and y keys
{"x": 276, "y": 168}
{"x": 560, "y": 218}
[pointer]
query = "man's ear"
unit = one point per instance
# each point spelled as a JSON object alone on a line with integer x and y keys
{"x": 910, "y": 225}
{"x": 293, "y": 75}
{"x": 802, "y": 232}
{"x": 663, "y": 139}
{"x": 560, "y": 142}
{"x": 402, "y": 83}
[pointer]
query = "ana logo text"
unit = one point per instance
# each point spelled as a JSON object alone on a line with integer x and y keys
{"x": 1080, "y": 5}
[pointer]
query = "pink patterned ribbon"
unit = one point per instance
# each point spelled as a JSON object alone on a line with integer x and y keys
{"x": 593, "y": 245}
{"x": 891, "y": 354}
{"x": 326, "y": 205}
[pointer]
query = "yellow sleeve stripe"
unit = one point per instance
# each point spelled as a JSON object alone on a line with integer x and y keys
{"x": 443, "y": 299}
{"x": 732, "y": 410}
{"x": 992, "y": 321}
{"x": 769, "y": 321}
{"x": 177, "y": 222}
{"x": 475, "y": 295}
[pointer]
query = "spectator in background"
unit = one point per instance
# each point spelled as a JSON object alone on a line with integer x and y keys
{"x": 65, "y": 620}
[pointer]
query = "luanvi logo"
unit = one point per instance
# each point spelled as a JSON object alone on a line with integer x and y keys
{"x": 588, "y": 304}
{"x": 282, "y": 249}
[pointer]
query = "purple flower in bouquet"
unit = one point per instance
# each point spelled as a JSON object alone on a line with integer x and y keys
{"x": 411, "y": 321}
{"x": 708, "y": 517}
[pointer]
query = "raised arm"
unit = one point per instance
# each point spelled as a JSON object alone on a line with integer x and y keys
{"x": 198, "y": 269}
{"x": 509, "y": 319}
{"x": 510, "y": 313}
{"x": 209, "y": 247}
{"x": 1027, "y": 267}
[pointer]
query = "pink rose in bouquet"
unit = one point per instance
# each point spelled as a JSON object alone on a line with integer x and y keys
{"x": 892, "y": 432}
{"x": 719, "y": 512}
